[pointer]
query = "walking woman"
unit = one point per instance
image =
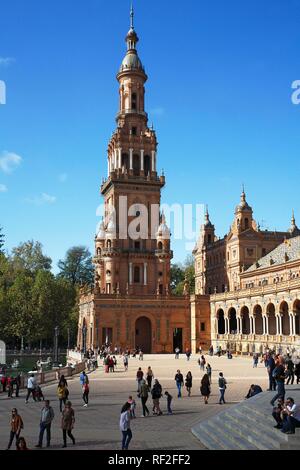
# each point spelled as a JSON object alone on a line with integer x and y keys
{"x": 67, "y": 423}
{"x": 85, "y": 394}
{"x": 156, "y": 395}
{"x": 205, "y": 388}
{"x": 149, "y": 377}
{"x": 63, "y": 382}
{"x": 125, "y": 426}
{"x": 16, "y": 425}
{"x": 189, "y": 383}
{"x": 62, "y": 395}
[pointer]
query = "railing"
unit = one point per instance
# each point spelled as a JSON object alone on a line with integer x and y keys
{"x": 262, "y": 290}
{"x": 54, "y": 375}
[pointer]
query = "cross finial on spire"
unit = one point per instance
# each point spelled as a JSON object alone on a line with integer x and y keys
{"x": 131, "y": 16}
{"x": 293, "y": 218}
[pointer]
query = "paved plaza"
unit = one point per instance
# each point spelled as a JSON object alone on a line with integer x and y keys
{"x": 97, "y": 426}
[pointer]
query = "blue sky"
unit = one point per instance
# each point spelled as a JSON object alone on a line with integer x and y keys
{"x": 219, "y": 94}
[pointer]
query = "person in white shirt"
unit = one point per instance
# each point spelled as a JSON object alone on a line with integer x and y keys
{"x": 31, "y": 385}
{"x": 125, "y": 426}
{"x": 291, "y": 413}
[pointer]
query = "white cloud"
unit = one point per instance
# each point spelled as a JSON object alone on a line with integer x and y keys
{"x": 44, "y": 198}
{"x": 3, "y": 188}
{"x": 6, "y": 61}
{"x": 9, "y": 161}
{"x": 63, "y": 177}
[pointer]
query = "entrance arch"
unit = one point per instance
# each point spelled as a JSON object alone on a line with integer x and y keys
{"x": 143, "y": 334}
{"x": 272, "y": 319}
{"x": 284, "y": 310}
{"x": 245, "y": 320}
{"x": 296, "y": 310}
{"x": 232, "y": 321}
{"x": 257, "y": 311}
{"x": 221, "y": 322}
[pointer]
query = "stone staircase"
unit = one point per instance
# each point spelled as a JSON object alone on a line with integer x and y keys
{"x": 248, "y": 426}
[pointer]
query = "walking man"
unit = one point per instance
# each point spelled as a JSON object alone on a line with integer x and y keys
{"x": 31, "y": 386}
{"x": 125, "y": 426}
{"x": 144, "y": 397}
{"x": 47, "y": 416}
{"x": 222, "y": 388}
{"x": 179, "y": 382}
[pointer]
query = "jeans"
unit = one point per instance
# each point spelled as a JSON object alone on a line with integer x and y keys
{"x": 272, "y": 382}
{"x": 178, "y": 385}
{"x": 85, "y": 397}
{"x": 290, "y": 423}
{"x": 145, "y": 409}
{"x": 127, "y": 436}
{"x": 277, "y": 417}
{"x": 30, "y": 391}
{"x": 169, "y": 407}
{"x": 11, "y": 438}
{"x": 291, "y": 376}
{"x": 280, "y": 392}
{"x": 62, "y": 401}
{"x": 45, "y": 427}
{"x": 70, "y": 436}
{"x": 222, "y": 393}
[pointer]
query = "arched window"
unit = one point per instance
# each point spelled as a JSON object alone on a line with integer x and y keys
{"x": 147, "y": 164}
{"x": 108, "y": 244}
{"x": 136, "y": 274}
{"x": 133, "y": 101}
{"x": 98, "y": 251}
{"x": 160, "y": 245}
{"x": 125, "y": 161}
{"x": 136, "y": 165}
{"x": 246, "y": 223}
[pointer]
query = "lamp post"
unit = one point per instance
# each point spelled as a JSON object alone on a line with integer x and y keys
{"x": 68, "y": 338}
{"x": 84, "y": 331}
{"x": 56, "y": 333}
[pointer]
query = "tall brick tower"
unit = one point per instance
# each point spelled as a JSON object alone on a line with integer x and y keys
{"x": 133, "y": 244}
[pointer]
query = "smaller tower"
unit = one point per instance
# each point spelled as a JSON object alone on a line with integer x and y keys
{"x": 243, "y": 215}
{"x": 164, "y": 256}
{"x": 294, "y": 230}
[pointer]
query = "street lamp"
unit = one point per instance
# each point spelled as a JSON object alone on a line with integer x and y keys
{"x": 56, "y": 333}
{"x": 84, "y": 331}
{"x": 68, "y": 338}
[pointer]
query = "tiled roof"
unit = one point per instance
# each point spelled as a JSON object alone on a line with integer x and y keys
{"x": 287, "y": 251}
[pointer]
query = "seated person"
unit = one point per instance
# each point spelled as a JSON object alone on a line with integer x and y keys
{"x": 291, "y": 416}
{"x": 277, "y": 413}
{"x": 254, "y": 390}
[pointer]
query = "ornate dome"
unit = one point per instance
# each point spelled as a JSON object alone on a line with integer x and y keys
{"x": 163, "y": 230}
{"x": 243, "y": 205}
{"x": 101, "y": 233}
{"x": 131, "y": 61}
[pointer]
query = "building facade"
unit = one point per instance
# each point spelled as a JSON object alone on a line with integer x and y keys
{"x": 131, "y": 305}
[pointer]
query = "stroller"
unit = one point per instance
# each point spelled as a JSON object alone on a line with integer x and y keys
{"x": 38, "y": 394}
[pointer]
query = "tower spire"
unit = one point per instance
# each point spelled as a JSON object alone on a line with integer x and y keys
{"x": 131, "y": 16}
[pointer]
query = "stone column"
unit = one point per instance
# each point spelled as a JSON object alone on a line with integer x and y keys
{"x": 130, "y": 274}
{"x": 226, "y": 325}
{"x": 291, "y": 325}
{"x": 131, "y": 159}
{"x": 267, "y": 325}
{"x": 153, "y": 159}
{"x": 279, "y": 331}
{"x": 142, "y": 160}
{"x": 253, "y": 319}
{"x": 294, "y": 324}
{"x": 120, "y": 158}
{"x": 250, "y": 325}
{"x": 145, "y": 274}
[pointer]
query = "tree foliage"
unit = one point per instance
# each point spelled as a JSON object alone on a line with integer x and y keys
{"x": 77, "y": 267}
{"x": 29, "y": 256}
{"x": 180, "y": 273}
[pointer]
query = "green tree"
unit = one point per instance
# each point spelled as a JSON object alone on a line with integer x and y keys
{"x": 182, "y": 272}
{"x": 77, "y": 267}
{"x": 22, "y": 320}
{"x": 29, "y": 256}
{"x": 2, "y": 238}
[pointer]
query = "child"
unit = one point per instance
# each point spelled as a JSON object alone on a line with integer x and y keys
{"x": 132, "y": 403}
{"x": 169, "y": 400}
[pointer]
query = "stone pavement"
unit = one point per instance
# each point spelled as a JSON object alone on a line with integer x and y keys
{"x": 97, "y": 426}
